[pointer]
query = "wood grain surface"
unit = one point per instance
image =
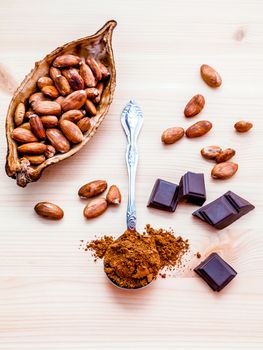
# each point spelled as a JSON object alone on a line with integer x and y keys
{"x": 52, "y": 296}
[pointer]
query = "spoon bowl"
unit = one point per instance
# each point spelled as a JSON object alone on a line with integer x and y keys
{"x": 124, "y": 288}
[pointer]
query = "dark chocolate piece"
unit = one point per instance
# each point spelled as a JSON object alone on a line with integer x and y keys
{"x": 224, "y": 210}
{"x": 164, "y": 196}
{"x": 216, "y": 272}
{"x": 192, "y": 188}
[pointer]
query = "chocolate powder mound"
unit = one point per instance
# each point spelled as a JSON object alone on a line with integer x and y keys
{"x": 134, "y": 260}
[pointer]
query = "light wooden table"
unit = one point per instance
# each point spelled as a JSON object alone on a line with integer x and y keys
{"x": 52, "y": 296}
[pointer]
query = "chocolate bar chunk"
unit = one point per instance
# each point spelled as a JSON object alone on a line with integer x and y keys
{"x": 224, "y": 210}
{"x": 192, "y": 188}
{"x": 164, "y": 196}
{"x": 216, "y": 272}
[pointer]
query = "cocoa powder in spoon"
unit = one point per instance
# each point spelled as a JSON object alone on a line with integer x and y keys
{"x": 133, "y": 260}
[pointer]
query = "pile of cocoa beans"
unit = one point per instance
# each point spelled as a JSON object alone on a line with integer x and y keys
{"x": 58, "y": 113}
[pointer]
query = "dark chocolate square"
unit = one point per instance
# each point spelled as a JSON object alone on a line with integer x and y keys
{"x": 192, "y": 188}
{"x": 224, "y": 210}
{"x": 216, "y": 272}
{"x": 164, "y": 196}
{"x": 221, "y": 210}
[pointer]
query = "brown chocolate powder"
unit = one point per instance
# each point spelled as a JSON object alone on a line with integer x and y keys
{"x": 99, "y": 246}
{"x": 170, "y": 248}
{"x": 134, "y": 260}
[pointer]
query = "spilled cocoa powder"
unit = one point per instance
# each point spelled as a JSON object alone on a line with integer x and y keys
{"x": 99, "y": 246}
{"x": 133, "y": 260}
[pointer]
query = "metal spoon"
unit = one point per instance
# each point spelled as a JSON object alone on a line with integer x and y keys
{"x": 131, "y": 120}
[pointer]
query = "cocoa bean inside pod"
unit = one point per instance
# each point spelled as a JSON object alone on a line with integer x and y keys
{"x": 73, "y": 115}
{"x": 74, "y": 79}
{"x": 50, "y": 151}
{"x": 36, "y": 97}
{"x": 50, "y": 91}
{"x": 32, "y": 148}
{"x": 37, "y": 126}
{"x": 84, "y": 124}
{"x": 49, "y": 210}
{"x": 104, "y": 70}
{"x": 35, "y": 160}
{"x": 71, "y": 131}
{"x": 54, "y": 72}
{"x": 62, "y": 85}
{"x": 20, "y": 113}
{"x": 23, "y": 135}
{"x": 74, "y": 101}
{"x": 94, "y": 66}
{"x": 49, "y": 121}
{"x": 100, "y": 88}
{"x": 90, "y": 108}
{"x": 60, "y": 99}
{"x": 66, "y": 60}
{"x": 25, "y": 126}
{"x": 66, "y": 57}
{"x": 58, "y": 140}
{"x": 92, "y": 93}
{"x": 44, "y": 81}
{"x": 47, "y": 108}
{"x": 87, "y": 75}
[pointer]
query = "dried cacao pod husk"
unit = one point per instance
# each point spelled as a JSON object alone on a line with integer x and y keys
{"x": 99, "y": 43}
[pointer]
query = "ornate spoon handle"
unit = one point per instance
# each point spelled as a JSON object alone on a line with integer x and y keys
{"x": 131, "y": 120}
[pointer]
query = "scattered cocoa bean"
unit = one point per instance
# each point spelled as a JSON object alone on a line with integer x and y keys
{"x": 172, "y": 135}
{"x": 225, "y": 155}
{"x": 210, "y": 76}
{"x": 92, "y": 189}
{"x": 194, "y": 106}
{"x": 199, "y": 129}
{"x": 49, "y": 211}
{"x": 95, "y": 208}
{"x": 224, "y": 170}
{"x": 211, "y": 152}
{"x": 113, "y": 195}
{"x": 243, "y": 126}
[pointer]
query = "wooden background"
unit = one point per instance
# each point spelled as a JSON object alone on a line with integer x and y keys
{"x": 52, "y": 296}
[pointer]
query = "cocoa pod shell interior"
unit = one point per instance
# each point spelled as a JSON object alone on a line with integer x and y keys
{"x": 98, "y": 46}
